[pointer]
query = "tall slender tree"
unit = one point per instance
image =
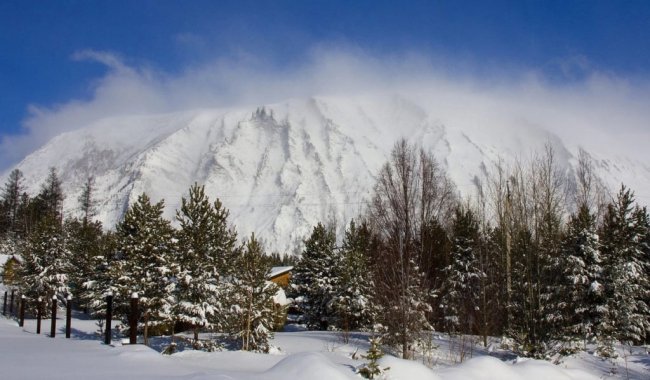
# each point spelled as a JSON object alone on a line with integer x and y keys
{"x": 397, "y": 211}
{"x": 147, "y": 262}
{"x": 252, "y": 301}
{"x": 10, "y": 203}
{"x": 314, "y": 277}
{"x": 461, "y": 289}
{"x": 623, "y": 244}
{"x": 580, "y": 299}
{"x": 205, "y": 245}
{"x": 354, "y": 301}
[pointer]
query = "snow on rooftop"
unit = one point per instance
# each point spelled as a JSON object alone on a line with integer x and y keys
{"x": 276, "y": 271}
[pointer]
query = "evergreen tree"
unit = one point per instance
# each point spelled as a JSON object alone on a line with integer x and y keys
{"x": 463, "y": 275}
{"x": 87, "y": 201}
{"x": 522, "y": 327}
{"x": 435, "y": 256}
{"x": 46, "y": 263}
{"x": 10, "y": 203}
{"x": 147, "y": 262}
{"x": 205, "y": 245}
{"x": 252, "y": 302}
{"x": 353, "y": 300}
{"x": 314, "y": 277}
{"x": 97, "y": 285}
{"x": 623, "y": 246}
{"x": 84, "y": 244}
{"x": 372, "y": 369}
{"x": 580, "y": 299}
{"x": 49, "y": 202}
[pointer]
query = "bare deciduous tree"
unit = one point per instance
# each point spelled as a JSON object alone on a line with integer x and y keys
{"x": 411, "y": 190}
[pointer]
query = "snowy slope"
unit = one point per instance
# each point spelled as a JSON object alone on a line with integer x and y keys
{"x": 283, "y": 167}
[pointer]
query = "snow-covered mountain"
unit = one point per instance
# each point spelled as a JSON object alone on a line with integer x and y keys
{"x": 281, "y": 168}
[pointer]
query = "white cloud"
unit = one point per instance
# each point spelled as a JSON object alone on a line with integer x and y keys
{"x": 610, "y": 109}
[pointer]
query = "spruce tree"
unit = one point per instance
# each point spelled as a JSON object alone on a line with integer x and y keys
{"x": 205, "y": 245}
{"x": 10, "y": 203}
{"x": 252, "y": 300}
{"x": 46, "y": 267}
{"x": 372, "y": 369}
{"x": 147, "y": 262}
{"x": 353, "y": 299}
{"x": 97, "y": 285}
{"x": 463, "y": 275}
{"x": 314, "y": 278}
{"x": 49, "y": 202}
{"x": 85, "y": 242}
{"x": 623, "y": 239}
{"x": 580, "y": 299}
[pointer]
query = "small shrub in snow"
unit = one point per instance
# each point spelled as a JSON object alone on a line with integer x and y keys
{"x": 372, "y": 369}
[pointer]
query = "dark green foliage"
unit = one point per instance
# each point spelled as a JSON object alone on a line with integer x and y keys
{"x": 146, "y": 262}
{"x": 10, "y": 202}
{"x": 46, "y": 264}
{"x": 251, "y": 301}
{"x": 579, "y": 301}
{"x": 353, "y": 300}
{"x": 85, "y": 245}
{"x": 278, "y": 260}
{"x": 371, "y": 369}
{"x": 461, "y": 289}
{"x": 205, "y": 246}
{"x": 314, "y": 277}
{"x": 624, "y": 254}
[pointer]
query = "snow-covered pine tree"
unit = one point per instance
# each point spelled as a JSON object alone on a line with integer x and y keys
{"x": 223, "y": 242}
{"x": 353, "y": 299}
{"x": 45, "y": 269}
{"x": 204, "y": 244}
{"x": 251, "y": 301}
{"x": 460, "y": 291}
{"x": 314, "y": 278}
{"x": 85, "y": 244}
{"x": 147, "y": 262}
{"x": 623, "y": 243}
{"x": 101, "y": 281}
{"x": 580, "y": 300}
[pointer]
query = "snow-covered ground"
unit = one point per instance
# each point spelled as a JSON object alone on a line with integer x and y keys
{"x": 299, "y": 355}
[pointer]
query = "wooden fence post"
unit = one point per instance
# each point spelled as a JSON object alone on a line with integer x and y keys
{"x": 68, "y": 315}
{"x": 53, "y": 326}
{"x": 39, "y": 315}
{"x": 109, "y": 316}
{"x": 11, "y": 304}
{"x": 133, "y": 320}
{"x": 4, "y": 305}
{"x": 21, "y": 318}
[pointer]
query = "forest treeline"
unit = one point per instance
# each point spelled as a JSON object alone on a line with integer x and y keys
{"x": 541, "y": 255}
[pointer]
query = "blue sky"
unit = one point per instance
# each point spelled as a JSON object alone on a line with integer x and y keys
{"x": 56, "y": 55}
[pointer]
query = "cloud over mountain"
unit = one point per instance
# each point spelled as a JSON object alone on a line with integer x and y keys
{"x": 612, "y": 110}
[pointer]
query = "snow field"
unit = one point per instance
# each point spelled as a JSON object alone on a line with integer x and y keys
{"x": 312, "y": 355}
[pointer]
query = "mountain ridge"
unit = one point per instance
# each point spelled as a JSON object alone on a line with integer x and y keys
{"x": 281, "y": 168}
